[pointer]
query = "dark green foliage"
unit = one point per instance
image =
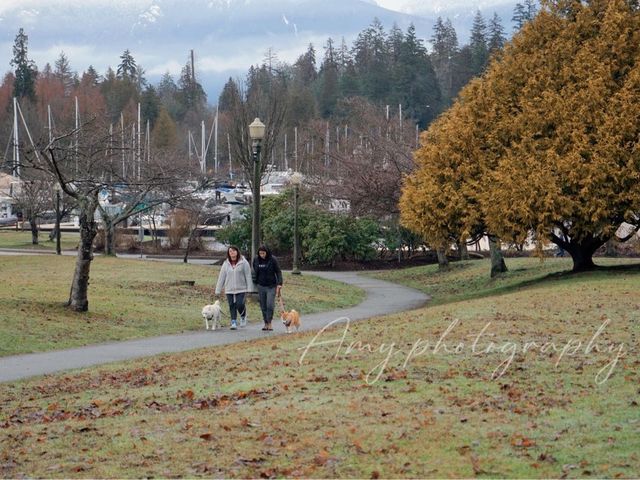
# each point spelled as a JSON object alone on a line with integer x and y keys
{"x": 478, "y": 43}
{"x": 25, "y": 69}
{"x": 445, "y": 49}
{"x": 414, "y": 85}
{"x": 237, "y": 233}
{"x": 325, "y": 237}
{"x": 127, "y": 68}
{"x": 496, "y": 34}
{"x": 190, "y": 94}
{"x": 328, "y": 82}
{"x": 522, "y": 13}
{"x": 169, "y": 97}
{"x": 149, "y": 105}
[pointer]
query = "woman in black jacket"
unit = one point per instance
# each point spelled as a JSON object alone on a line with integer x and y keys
{"x": 268, "y": 277}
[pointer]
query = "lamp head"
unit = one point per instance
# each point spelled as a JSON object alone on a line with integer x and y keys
{"x": 256, "y": 130}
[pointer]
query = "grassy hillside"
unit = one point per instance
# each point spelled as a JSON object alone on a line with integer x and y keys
{"x": 538, "y": 381}
{"x": 470, "y": 279}
{"x": 127, "y": 299}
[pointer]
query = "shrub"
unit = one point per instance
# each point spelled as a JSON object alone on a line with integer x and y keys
{"x": 324, "y": 236}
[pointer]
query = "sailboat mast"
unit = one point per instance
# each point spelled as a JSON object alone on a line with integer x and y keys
{"x": 16, "y": 146}
{"x": 215, "y": 146}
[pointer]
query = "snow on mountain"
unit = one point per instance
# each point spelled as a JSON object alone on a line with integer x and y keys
{"x": 227, "y": 35}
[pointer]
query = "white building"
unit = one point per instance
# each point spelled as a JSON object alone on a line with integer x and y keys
{"x": 9, "y": 189}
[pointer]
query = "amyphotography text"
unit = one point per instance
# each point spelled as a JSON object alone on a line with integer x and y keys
{"x": 387, "y": 354}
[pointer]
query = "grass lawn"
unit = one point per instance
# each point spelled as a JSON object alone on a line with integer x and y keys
{"x": 127, "y": 299}
{"x": 22, "y": 240}
{"x": 488, "y": 396}
{"x": 470, "y": 279}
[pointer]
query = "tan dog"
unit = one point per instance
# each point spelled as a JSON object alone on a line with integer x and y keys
{"x": 291, "y": 320}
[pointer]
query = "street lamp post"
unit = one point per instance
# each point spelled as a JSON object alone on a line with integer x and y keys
{"x": 58, "y": 188}
{"x": 256, "y": 132}
{"x": 296, "y": 181}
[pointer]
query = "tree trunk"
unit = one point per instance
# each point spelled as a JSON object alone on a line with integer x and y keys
{"x": 581, "y": 251}
{"x": 33, "y": 223}
{"x": 582, "y": 255}
{"x": 109, "y": 238}
{"x": 190, "y": 239}
{"x": 79, "y": 300}
{"x": 185, "y": 259}
{"x": 154, "y": 233}
{"x": 188, "y": 249}
{"x": 464, "y": 251}
{"x": 497, "y": 260}
{"x": 53, "y": 233}
{"x": 443, "y": 261}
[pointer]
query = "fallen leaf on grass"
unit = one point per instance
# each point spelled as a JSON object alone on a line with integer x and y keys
{"x": 321, "y": 458}
{"x": 246, "y": 423}
{"x": 520, "y": 441}
{"x": 187, "y": 394}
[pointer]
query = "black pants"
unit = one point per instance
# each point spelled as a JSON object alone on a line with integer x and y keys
{"x": 267, "y": 296}
{"x": 236, "y": 305}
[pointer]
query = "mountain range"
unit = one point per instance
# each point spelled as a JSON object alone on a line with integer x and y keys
{"x": 227, "y": 36}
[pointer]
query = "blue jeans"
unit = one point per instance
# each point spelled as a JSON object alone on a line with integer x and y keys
{"x": 267, "y": 296}
{"x": 236, "y": 305}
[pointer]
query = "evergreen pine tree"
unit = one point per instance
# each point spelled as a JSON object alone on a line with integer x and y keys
{"x": 445, "y": 49}
{"x": 415, "y": 85}
{"x": 190, "y": 93}
{"x": 127, "y": 68}
{"x": 478, "y": 43}
{"x": 92, "y": 76}
{"x": 63, "y": 73}
{"x": 228, "y": 95}
{"x": 370, "y": 60}
{"x": 329, "y": 81}
{"x": 164, "y": 133}
{"x": 150, "y": 105}
{"x": 519, "y": 16}
{"x": 497, "y": 36}
{"x": 305, "y": 67}
{"x": 25, "y": 69}
{"x": 349, "y": 85}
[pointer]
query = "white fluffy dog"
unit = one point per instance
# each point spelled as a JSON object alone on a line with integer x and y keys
{"x": 213, "y": 314}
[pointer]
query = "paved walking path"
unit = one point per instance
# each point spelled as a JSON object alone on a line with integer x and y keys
{"x": 382, "y": 298}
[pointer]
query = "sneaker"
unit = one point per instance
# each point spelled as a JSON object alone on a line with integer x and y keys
{"x": 243, "y": 321}
{"x": 233, "y": 325}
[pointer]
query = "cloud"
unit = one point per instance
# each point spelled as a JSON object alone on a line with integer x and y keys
{"x": 435, "y": 7}
{"x": 13, "y": 5}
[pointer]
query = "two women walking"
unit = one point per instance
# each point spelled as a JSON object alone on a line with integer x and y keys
{"x": 236, "y": 280}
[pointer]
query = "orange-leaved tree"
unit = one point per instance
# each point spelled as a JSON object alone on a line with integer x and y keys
{"x": 555, "y": 124}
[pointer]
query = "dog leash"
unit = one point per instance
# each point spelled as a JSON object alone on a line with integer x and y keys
{"x": 288, "y": 322}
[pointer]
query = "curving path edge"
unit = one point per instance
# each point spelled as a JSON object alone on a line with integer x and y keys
{"x": 382, "y": 298}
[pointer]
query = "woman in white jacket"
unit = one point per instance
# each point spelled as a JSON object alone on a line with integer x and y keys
{"x": 235, "y": 281}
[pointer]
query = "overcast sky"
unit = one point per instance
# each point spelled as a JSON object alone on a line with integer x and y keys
{"x": 228, "y": 57}
{"x": 407, "y": 6}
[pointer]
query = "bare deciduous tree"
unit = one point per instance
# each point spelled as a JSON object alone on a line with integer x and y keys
{"x": 84, "y": 163}
{"x": 270, "y": 105}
